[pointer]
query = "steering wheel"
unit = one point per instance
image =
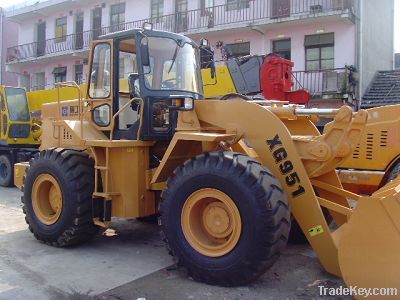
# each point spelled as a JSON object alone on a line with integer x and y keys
{"x": 169, "y": 83}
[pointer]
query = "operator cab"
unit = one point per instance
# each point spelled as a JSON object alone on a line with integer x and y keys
{"x": 15, "y": 120}
{"x": 159, "y": 69}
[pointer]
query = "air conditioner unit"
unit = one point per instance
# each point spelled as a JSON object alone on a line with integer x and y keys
{"x": 314, "y": 9}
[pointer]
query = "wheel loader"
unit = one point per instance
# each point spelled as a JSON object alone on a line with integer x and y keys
{"x": 225, "y": 175}
{"x": 376, "y": 159}
{"x": 19, "y": 133}
{"x": 20, "y": 125}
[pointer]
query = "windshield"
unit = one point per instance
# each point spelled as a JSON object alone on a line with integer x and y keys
{"x": 17, "y": 105}
{"x": 173, "y": 66}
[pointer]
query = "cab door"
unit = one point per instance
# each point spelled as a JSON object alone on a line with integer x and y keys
{"x": 101, "y": 84}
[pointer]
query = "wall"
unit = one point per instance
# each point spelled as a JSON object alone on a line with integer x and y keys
{"x": 345, "y": 51}
{"x": 377, "y": 39}
{"x": 135, "y": 10}
{"x": 139, "y": 9}
{"x": 48, "y": 68}
{"x": 8, "y": 38}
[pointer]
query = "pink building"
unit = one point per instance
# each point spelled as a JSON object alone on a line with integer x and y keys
{"x": 8, "y": 38}
{"x": 337, "y": 45}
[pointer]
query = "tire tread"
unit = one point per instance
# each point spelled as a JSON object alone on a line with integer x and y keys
{"x": 78, "y": 168}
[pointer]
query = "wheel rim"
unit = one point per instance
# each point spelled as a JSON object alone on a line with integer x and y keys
{"x": 211, "y": 222}
{"x": 47, "y": 200}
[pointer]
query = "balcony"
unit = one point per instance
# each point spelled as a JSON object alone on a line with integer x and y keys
{"x": 250, "y": 13}
{"x": 243, "y": 13}
{"x": 330, "y": 84}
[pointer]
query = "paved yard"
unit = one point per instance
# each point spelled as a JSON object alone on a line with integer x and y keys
{"x": 130, "y": 265}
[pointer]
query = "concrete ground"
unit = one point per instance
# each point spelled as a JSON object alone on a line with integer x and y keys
{"x": 131, "y": 265}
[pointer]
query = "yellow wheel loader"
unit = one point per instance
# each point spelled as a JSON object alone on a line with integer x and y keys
{"x": 225, "y": 204}
{"x": 19, "y": 133}
{"x": 20, "y": 126}
{"x": 376, "y": 159}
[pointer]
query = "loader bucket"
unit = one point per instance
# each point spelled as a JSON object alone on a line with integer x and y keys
{"x": 369, "y": 244}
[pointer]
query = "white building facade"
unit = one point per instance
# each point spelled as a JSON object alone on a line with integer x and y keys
{"x": 322, "y": 37}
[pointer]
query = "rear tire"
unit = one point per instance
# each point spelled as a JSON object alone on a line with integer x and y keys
{"x": 57, "y": 200}
{"x": 6, "y": 171}
{"x": 243, "y": 192}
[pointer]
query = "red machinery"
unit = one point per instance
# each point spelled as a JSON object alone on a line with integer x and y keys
{"x": 270, "y": 76}
{"x": 277, "y": 81}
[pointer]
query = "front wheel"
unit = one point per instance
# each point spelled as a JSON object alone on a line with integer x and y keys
{"x": 57, "y": 198}
{"x": 6, "y": 171}
{"x": 225, "y": 218}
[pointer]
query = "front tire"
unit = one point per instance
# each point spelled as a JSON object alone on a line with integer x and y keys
{"x": 57, "y": 199}
{"x": 6, "y": 171}
{"x": 225, "y": 218}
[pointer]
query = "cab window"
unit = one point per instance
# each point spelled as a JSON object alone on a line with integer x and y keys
{"x": 100, "y": 75}
{"x": 127, "y": 66}
{"x": 17, "y": 105}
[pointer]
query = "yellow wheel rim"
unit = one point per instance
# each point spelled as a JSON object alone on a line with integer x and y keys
{"x": 47, "y": 199}
{"x": 211, "y": 222}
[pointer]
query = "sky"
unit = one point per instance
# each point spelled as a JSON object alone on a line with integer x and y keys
{"x": 5, "y": 3}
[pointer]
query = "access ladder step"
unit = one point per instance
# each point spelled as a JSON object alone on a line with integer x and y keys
{"x": 105, "y": 195}
{"x": 100, "y": 168}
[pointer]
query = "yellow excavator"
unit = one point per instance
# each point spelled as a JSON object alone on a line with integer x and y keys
{"x": 225, "y": 175}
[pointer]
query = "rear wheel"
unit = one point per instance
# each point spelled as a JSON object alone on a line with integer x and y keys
{"x": 6, "y": 171}
{"x": 57, "y": 198}
{"x": 225, "y": 218}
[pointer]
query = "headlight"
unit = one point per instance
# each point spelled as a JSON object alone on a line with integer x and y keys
{"x": 182, "y": 102}
{"x": 188, "y": 104}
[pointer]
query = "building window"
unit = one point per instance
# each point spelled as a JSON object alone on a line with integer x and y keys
{"x": 320, "y": 51}
{"x": 78, "y": 74}
{"x": 157, "y": 8}
{"x": 206, "y": 7}
{"x": 117, "y": 17}
{"x": 61, "y": 29}
{"x": 39, "y": 81}
{"x": 60, "y": 74}
{"x": 237, "y": 50}
{"x": 282, "y": 48}
{"x": 237, "y": 4}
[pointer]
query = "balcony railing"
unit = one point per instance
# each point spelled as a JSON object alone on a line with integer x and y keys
{"x": 332, "y": 82}
{"x": 252, "y": 11}
{"x": 245, "y": 12}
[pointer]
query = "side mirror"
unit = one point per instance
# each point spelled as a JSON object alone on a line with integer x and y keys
{"x": 133, "y": 81}
{"x": 144, "y": 50}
